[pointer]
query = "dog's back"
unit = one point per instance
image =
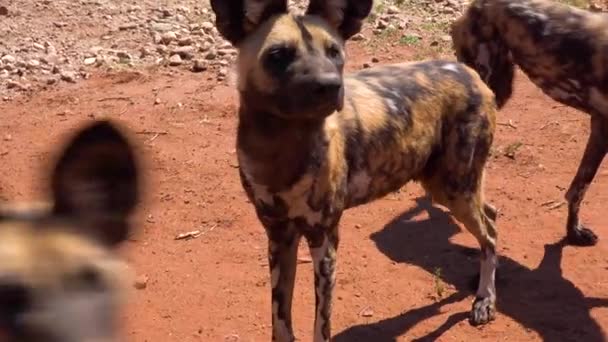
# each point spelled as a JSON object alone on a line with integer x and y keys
{"x": 412, "y": 121}
{"x": 562, "y": 49}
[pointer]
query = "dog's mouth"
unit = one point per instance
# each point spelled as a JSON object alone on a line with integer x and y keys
{"x": 311, "y": 107}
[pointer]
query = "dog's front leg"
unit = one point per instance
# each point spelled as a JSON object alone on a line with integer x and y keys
{"x": 323, "y": 246}
{"x": 283, "y": 241}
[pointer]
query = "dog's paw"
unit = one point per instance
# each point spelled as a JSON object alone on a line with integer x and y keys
{"x": 582, "y": 237}
{"x": 483, "y": 311}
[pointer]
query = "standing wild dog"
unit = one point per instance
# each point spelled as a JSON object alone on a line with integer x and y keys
{"x": 564, "y": 51}
{"x": 60, "y": 280}
{"x": 313, "y": 142}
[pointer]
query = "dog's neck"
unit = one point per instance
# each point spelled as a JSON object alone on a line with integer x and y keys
{"x": 277, "y": 151}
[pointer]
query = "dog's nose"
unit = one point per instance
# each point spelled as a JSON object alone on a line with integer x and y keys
{"x": 14, "y": 300}
{"x": 327, "y": 85}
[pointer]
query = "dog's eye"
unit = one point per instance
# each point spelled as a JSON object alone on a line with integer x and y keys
{"x": 280, "y": 56}
{"x": 332, "y": 51}
{"x": 86, "y": 279}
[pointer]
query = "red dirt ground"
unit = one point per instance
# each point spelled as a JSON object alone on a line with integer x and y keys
{"x": 216, "y": 287}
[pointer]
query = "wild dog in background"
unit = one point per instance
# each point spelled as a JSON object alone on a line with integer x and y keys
{"x": 60, "y": 280}
{"x": 313, "y": 142}
{"x": 564, "y": 51}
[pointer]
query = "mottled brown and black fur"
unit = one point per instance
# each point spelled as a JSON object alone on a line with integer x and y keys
{"x": 60, "y": 277}
{"x": 564, "y": 51}
{"x": 313, "y": 142}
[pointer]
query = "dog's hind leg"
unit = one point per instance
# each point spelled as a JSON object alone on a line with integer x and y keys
{"x": 323, "y": 248}
{"x": 477, "y": 217}
{"x": 472, "y": 214}
{"x": 595, "y": 151}
{"x": 283, "y": 242}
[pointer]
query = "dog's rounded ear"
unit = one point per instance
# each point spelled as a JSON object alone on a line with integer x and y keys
{"x": 95, "y": 183}
{"x": 346, "y": 16}
{"x": 235, "y": 19}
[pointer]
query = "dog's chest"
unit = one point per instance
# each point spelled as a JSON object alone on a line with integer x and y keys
{"x": 311, "y": 201}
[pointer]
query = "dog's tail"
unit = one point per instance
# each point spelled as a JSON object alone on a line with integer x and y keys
{"x": 478, "y": 45}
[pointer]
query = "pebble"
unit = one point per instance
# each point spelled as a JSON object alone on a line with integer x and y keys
{"x": 33, "y": 64}
{"x": 393, "y": 10}
{"x": 207, "y": 26}
{"x": 175, "y": 60}
{"x": 90, "y": 61}
{"x": 123, "y": 55}
{"x": 128, "y": 26}
{"x": 161, "y": 27}
{"x": 212, "y": 54}
{"x": 141, "y": 282}
{"x": 358, "y": 37}
{"x": 185, "y": 52}
{"x": 168, "y": 37}
{"x": 199, "y": 65}
{"x": 185, "y": 41}
{"x": 3, "y": 10}
{"x": 68, "y": 76}
{"x": 8, "y": 59}
{"x": 38, "y": 46}
{"x": 223, "y": 72}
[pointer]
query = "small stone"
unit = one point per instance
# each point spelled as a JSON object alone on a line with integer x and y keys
{"x": 60, "y": 24}
{"x": 8, "y": 137}
{"x": 358, "y": 37}
{"x": 223, "y": 72}
{"x": 68, "y": 76}
{"x": 366, "y": 65}
{"x": 161, "y": 27}
{"x": 50, "y": 49}
{"x": 90, "y": 61}
{"x": 446, "y": 38}
{"x": 211, "y": 55}
{"x": 3, "y": 10}
{"x": 144, "y": 52}
{"x": 185, "y": 41}
{"x": 38, "y": 46}
{"x": 51, "y": 81}
{"x": 168, "y": 37}
{"x": 232, "y": 338}
{"x": 123, "y": 55}
{"x": 393, "y": 10}
{"x": 175, "y": 60}
{"x": 199, "y": 65}
{"x": 207, "y": 26}
{"x": 127, "y": 26}
{"x": 141, "y": 282}
{"x": 33, "y": 64}
{"x": 10, "y": 84}
{"x": 8, "y": 59}
{"x": 162, "y": 49}
{"x": 381, "y": 25}
{"x": 367, "y": 312}
{"x": 375, "y": 60}
{"x": 185, "y": 52}
{"x": 157, "y": 101}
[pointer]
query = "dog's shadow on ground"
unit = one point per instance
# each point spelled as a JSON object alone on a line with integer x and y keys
{"x": 540, "y": 299}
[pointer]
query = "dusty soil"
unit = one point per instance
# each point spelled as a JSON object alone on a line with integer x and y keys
{"x": 404, "y": 267}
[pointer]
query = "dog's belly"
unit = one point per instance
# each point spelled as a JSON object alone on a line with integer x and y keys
{"x": 364, "y": 186}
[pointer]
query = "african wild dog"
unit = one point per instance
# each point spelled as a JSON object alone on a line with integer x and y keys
{"x": 312, "y": 142}
{"x": 60, "y": 280}
{"x": 564, "y": 51}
